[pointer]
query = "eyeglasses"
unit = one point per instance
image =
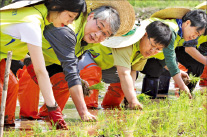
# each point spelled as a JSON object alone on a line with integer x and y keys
{"x": 104, "y": 35}
{"x": 154, "y": 47}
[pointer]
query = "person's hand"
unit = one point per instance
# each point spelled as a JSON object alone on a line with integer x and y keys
{"x": 184, "y": 74}
{"x": 135, "y": 105}
{"x": 185, "y": 77}
{"x": 56, "y": 118}
{"x": 85, "y": 86}
{"x": 88, "y": 117}
{"x": 187, "y": 91}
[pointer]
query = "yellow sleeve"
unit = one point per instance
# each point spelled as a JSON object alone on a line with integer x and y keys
{"x": 122, "y": 56}
{"x": 139, "y": 66}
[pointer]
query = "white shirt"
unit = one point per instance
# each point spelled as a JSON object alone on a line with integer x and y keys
{"x": 26, "y": 32}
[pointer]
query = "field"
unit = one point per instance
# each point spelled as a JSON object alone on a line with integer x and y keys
{"x": 160, "y": 117}
{"x": 164, "y": 117}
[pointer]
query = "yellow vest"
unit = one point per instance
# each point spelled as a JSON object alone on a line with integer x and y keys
{"x": 79, "y": 31}
{"x": 36, "y": 14}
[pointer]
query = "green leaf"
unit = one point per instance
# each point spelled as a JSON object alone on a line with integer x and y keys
{"x": 99, "y": 86}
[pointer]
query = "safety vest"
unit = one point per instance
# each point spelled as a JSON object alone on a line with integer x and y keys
{"x": 79, "y": 31}
{"x": 103, "y": 56}
{"x": 36, "y": 14}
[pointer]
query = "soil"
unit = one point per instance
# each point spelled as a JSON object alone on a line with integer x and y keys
{"x": 144, "y": 13}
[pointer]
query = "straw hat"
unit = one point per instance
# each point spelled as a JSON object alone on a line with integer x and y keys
{"x": 20, "y": 4}
{"x": 124, "y": 41}
{"x": 202, "y": 6}
{"x": 171, "y": 13}
{"x": 123, "y": 7}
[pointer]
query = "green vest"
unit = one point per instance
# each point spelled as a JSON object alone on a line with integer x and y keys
{"x": 36, "y": 14}
{"x": 103, "y": 55}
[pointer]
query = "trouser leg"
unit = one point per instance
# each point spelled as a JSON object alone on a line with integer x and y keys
{"x": 60, "y": 91}
{"x": 28, "y": 96}
{"x": 150, "y": 87}
{"x": 152, "y": 70}
{"x": 164, "y": 82}
{"x": 90, "y": 72}
{"x": 113, "y": 96}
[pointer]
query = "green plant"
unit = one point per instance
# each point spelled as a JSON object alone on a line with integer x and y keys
{"x": 193, "y": 79}
{"x": 37, "y": 128}
{"x": 99, "y": 86}
{"x": 86, "y": 89}
{"x": 143, "y": 97}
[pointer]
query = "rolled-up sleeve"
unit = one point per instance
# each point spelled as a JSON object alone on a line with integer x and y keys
{"x": 170, "y": 57}
{"x": 63, "y": 41}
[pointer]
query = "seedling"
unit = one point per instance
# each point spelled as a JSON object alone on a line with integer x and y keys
{"x": 193, "y": 79}
{"x": 142, "y": 97}
{"x": 86, "y": 89}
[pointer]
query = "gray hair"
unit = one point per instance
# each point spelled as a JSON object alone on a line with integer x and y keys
{"x": 110, "y": 15}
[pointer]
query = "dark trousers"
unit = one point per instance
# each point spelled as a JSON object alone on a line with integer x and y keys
{"x": 154, "y": 68}
{"x": 156, "y": 78}
{"x": 194, "y": 67}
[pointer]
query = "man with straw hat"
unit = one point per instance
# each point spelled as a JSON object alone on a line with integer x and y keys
{"x": 121, "y": 57}
{"x": 189, "y": 25}
{"x": 106, "y": 19}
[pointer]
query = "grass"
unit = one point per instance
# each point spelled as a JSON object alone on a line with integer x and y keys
{"x": 164, "y": 3}
{"x": 169, "y": 117}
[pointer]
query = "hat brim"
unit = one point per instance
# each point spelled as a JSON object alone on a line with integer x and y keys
{"x": 171, "y": 13}
{"x": 123, "y": 7}
{"x": 20, "y": 4}
{"x": 124, "y": 41}
{"x": 202, "y": 6}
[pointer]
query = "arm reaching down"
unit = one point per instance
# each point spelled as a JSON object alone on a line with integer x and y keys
{"x": 41, "y": 73}
{"x": 127, "y": 85}
{"x": 45, "y": 86}
{"x": 170, "y": 60}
